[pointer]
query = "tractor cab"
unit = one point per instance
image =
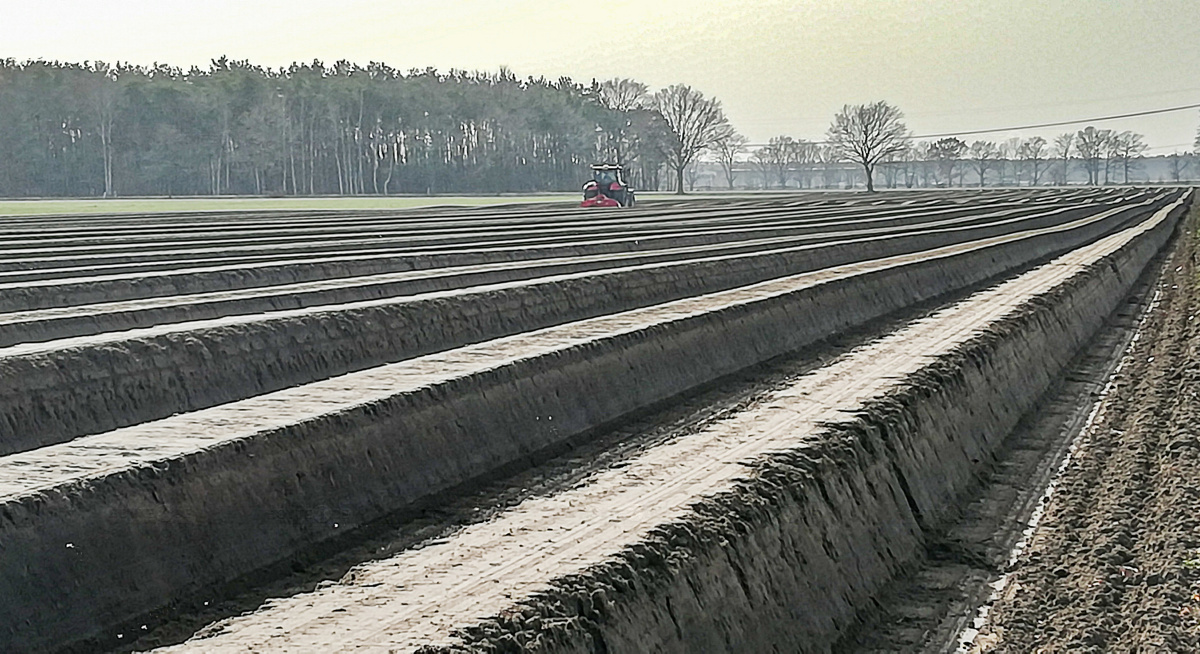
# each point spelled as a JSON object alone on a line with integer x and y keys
{"x": 607, "y": 188}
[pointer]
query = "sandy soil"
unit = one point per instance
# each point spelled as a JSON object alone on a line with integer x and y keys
{"x": 1115, "y": 563}
{"x": 29, "y": 472}
{"x": 153, "y": 205}
{"x": 420, "y": 596}
{"x": 613, "y": 510}
{"x": 935, "y": 606}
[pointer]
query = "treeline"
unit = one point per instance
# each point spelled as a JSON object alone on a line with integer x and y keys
{"x": 95, "y": 129}
{"x": 1103, "y": 156}
{"x": 1106, "y": 156}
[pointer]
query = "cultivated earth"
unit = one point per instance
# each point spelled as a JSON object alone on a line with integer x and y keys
{"x": 912, "y": 421}
{"x": 1115, "y": 563}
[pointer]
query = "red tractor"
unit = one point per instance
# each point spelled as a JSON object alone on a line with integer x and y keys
{"x": 607, "y": 188}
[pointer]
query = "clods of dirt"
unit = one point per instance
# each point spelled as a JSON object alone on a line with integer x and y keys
{"x": 1115, "y": 563}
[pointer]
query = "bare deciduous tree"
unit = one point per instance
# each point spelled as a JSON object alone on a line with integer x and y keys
{"x": 1177, "y": 165}
{"x": 1063, "y": 144}
{"x": 983, "y": 156}
{"x": 623, "y": 94}
{"x": 761, "y": 160}
{"x": 623, "y": 97}
{"x": 805, "y": 155}
{"x": 892, "y": 166}
{"x": 777, "y": 158}
{"x": 1110, "y": 147}
{"x": 867, "y": 134}
{"x": 1091, "y": 144}
{"x": 727, "y": 147}
{"x": 1127, "y": 149}
{"x": 917, "y": 165}
{"x": 827, "y": 156}
{"x": 1010, "y": 161}
{"x": 696, "y": 122}
{"x": 1032, "y": 152}
{"x": 947, "y": 152}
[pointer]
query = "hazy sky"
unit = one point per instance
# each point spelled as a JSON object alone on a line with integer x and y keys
{"x": 779, "y": 67}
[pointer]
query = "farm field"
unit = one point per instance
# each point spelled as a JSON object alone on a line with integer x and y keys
{"x": 117, "y": 206}
{"x": 194, "y": 204}
{"x": 1118, "y": 554}
{"x": 712, "y": 424}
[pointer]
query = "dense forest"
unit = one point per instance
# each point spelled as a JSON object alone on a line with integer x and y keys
{"x": 94, "y": 129}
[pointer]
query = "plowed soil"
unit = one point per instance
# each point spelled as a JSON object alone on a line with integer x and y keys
{"x": 1114, "y": 565}
{"x": 195, "y": 428}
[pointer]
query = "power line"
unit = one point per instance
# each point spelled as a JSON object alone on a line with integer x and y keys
{"x": 988, "y": 109}
{"x": 1050, "y": 106}
{"x": 1061, "y": 123}
{"x": 1135, "y": 114}
{"x": 1175, "y": 146}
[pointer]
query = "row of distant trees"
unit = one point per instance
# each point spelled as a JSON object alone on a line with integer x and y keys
{"x": 235, "y": 128}
{"x": 309, "y": 129}
{"x": 874, "y": 137}
{"x": 1104, "y": 156}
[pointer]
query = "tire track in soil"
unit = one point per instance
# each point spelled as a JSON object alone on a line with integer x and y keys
{"x": 1115, "y": 563}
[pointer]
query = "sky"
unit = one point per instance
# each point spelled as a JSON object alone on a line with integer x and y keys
{"x": 779, "y": 68}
